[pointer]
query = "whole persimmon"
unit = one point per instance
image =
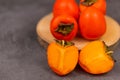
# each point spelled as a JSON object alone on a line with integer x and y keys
{"x": 64, "y": 27}
{"x": 95, "y": 59}
{"x": 62, "y": 57}
{"x": 92, "y": 23}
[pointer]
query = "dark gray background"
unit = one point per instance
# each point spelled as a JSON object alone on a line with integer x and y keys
{"x": 22, "y": 57}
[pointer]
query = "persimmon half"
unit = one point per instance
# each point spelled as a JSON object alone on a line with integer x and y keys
{"x": 62, "y": 57}
{"x": 94, "y": 58}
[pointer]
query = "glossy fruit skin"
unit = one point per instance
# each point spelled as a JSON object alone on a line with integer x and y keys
{"x": 92, "y": 23}
{"x": 62, "y": 60}
{"x": 93, "y": 58}
{"x": 100, "y": 5}
{"x": 68, "y": 7}
{"x": 64, "y": 19}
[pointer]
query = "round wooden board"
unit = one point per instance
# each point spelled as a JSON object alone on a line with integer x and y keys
{"x": 111, "y": 36}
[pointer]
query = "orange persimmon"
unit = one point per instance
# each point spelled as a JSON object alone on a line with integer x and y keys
{"x": 92, "y": 23}
{"x": 64, "y": 27}
{"x": 62, "y": 57}
{"x": 94, "y": 58}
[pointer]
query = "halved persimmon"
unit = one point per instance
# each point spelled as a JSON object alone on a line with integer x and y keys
{"x": 94, "y": 58}
{"x": 62, "y": 57}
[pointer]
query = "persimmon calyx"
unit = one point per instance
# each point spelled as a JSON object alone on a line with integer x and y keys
{"x": 64, "y": 43}
{"x": 109, "y": 52}
{"x": 64, "y": 28}
{"x": 88, "y": 2}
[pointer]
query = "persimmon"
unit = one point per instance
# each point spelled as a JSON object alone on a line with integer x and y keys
{"x": 62, "y": 57}
{"x": 94, "y": 58}
{"x": 92, "y": 24}
{"x": 64, "y": 27}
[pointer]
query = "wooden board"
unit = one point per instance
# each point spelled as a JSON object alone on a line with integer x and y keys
{"x": 111, "y": 36}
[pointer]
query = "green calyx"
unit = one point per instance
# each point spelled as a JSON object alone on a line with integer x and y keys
{"x": 64, "y": 43}
{"x": 109, "y": 52}
{"x": 88, "y": 2}
{"x": 64, "y": 28}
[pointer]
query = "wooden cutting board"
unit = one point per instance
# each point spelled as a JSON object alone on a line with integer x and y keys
{"x": 111, "y": 36}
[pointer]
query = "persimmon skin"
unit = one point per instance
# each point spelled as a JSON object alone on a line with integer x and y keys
{"x": 93, "y": 58}
{"x": 92, "y": 24}
{"x": 62, "y": 60}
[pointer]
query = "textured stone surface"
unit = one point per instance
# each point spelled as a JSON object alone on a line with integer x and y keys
{"x": 21, "y": 55}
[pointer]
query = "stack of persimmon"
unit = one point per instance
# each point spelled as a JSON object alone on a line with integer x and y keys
{"x": 64, "y": 24}
{"x": 87, "y": 18}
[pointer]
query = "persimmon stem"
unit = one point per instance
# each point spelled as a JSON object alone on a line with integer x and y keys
{"x": 110, "y": 52}
{"x": 63, "y": 43}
